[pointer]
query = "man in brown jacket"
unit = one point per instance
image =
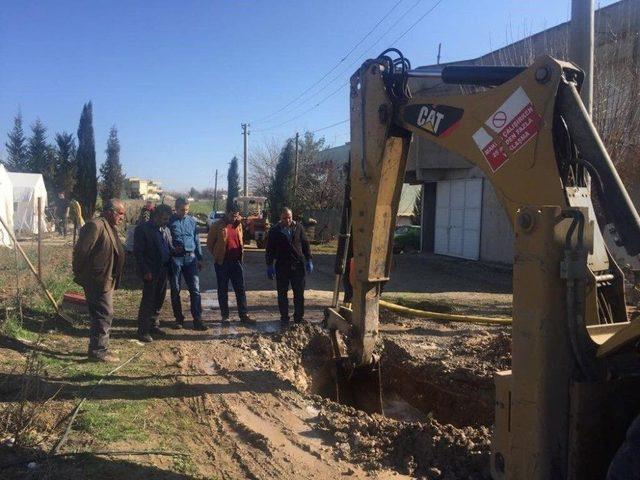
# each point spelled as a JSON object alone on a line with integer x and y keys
{"x": 224, "y": 241}
{"x": 98, "y": 259}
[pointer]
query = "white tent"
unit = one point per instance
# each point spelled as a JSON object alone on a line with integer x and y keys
{"x": 27, "y": 188}
{"x": 6, "y": 206}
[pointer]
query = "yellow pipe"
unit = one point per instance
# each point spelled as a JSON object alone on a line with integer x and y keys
{"x": 444, "y": 316}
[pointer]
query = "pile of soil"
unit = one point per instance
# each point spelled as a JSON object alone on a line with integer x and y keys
{"x": 424, "y": 449}
{"x": 299, "y": 355}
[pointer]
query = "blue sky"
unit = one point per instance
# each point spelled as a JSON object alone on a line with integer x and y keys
{"x": 178, "y": 78}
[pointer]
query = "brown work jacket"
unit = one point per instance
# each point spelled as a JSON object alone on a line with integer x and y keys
{"x": 217, "y": 240}
{"x": 98, "y": 256}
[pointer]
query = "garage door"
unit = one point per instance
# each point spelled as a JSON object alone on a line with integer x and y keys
{"x": 458, "y": 214}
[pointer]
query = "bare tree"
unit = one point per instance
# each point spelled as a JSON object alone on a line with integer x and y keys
{"x": 262, "y": 163}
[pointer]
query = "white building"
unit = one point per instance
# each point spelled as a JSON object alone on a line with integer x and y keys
{"x": 6, "y": 207}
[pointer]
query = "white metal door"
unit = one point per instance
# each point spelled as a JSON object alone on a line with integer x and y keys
{"x": 458, "y": 214}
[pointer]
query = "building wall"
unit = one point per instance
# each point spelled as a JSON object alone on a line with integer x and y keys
{"x": 496, "y": 234}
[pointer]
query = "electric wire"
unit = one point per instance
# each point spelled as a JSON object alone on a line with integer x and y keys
{"x": 349, "y": 67}
{"x": 411, "y": 27}
{"x": 435, "y": 5}
{"x": 329, "y": 126}
{"x": 336, "y": 65}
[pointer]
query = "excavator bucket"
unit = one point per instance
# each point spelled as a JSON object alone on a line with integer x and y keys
{"x": 359, "y": 387}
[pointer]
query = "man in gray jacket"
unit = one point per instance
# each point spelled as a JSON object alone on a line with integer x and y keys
{"x": 98, "y": 260}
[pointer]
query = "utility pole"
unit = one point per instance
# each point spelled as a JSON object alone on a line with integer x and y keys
{"x": 215, "y": 193}
{"x": 581, "y": 40}
{"x": 295, "y": 167}
{"x": 439, "y": 49}
{"x": 245, "y": 133}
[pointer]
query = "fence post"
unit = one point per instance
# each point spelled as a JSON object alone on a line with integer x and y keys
{"x": 40, "y": 237}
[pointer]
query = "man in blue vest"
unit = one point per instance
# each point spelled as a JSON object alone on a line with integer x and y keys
{"x": 186, "y": 262}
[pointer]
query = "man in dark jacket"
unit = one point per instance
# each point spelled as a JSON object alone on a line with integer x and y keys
{"x": 98, "y": 259}
{"x": 152, "y": 248}
{"x": 287, "y": 245}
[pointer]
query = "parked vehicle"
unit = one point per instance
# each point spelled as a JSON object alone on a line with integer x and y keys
{"x": 213, "y": 217}
{"x": 406, "y": 238}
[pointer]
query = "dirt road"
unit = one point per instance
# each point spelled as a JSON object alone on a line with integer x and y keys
{"x": 246, "y": 402}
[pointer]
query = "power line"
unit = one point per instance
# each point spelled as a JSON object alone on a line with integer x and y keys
{"x": 418, "y": 21}
{"x": 358, "y": 59}
{"x": 330, "y": 126}
{"x": 336, "y": 65}
{"x": 306, "y": 111}
{"x": 411, "y": 27}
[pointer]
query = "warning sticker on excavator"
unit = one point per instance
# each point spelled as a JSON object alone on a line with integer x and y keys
{"x": 509, "y": 129}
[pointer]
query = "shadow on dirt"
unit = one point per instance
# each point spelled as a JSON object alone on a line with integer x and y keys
{"x": 80, "y": 465}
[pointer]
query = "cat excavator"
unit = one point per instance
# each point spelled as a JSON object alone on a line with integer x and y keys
{"x": 573, "y": 390}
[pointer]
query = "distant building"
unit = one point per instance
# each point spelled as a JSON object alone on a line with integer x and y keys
{"x": 334, "y": 156}
{"x": 144, "y": 189}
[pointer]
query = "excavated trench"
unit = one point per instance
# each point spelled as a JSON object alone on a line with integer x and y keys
{"x": 437, "y": 413}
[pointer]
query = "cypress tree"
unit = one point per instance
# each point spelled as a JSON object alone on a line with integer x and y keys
{"x": 65, "y": 153}
{"x": 233, "y": 180}
{"x": 17, "y": 160}
{"x": 111, "y": 169}
{"x": 280, "y": 190}
{"x": 38, "y": 153}
{"x": 86, "y": 188}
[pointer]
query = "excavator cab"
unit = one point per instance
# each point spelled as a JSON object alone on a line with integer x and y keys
{"x": 574, "y": 386}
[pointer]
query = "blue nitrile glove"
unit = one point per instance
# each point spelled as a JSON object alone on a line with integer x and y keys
{"x": 309, "y": 266}
{"x": 271, "y": 272}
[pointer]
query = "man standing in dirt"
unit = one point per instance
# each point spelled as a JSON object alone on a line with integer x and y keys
{"x": 287, "y": 245}
{"x": 98, "y": 260}
{"x": 152, "y": 248}
{"x": 224, "y": 241}
{"x": 186, "y": 262}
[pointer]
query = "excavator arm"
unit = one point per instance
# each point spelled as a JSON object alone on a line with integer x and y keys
{"x": 531, "y": 136}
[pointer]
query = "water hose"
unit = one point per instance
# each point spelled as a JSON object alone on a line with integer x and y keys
{"x": 444, "y": 316}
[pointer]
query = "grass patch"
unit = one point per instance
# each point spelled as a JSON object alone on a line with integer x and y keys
{"x": 185, "y": 465}
{"x": 421, "y": 304}
{"x": 111, "y": 421}
{"x": 12, "y": 327}
{"x": 324, "y": 248}
{"x": 201, "y": 207}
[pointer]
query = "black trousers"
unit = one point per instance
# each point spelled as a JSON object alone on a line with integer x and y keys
{"x": 100, "y": 305}
{"x": 231, "y": 271}
{"x": 290, "y": 274}
{"x": 153, "y": 295}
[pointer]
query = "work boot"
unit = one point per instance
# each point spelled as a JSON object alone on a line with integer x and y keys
{"x": 106, "y": 358}
{"x": 157, "y": 332}
{"x": 244, "y": 318}
{"x": 179, "y": 325}
{"x": 145, "y": 338}
{"x": 200, "y": 326}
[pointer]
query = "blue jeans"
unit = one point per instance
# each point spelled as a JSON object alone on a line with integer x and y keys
{"x": 231, "y": 270}
{"x": 186, "y": 267}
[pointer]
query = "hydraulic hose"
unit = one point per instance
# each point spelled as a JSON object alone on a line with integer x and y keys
{"x": 444, "y": 316}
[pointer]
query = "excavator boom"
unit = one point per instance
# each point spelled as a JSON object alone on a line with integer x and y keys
{"x": 529, "y": 133}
